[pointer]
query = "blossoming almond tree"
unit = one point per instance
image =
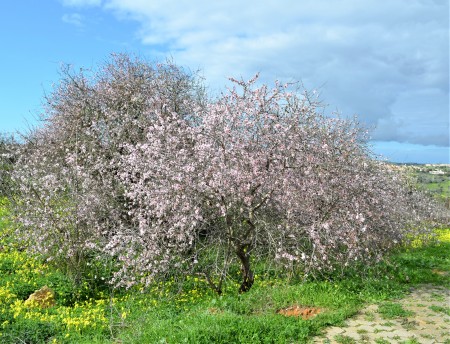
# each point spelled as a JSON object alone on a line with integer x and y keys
{"x": 258, "y": 172}
{"x": 135, "y": 164}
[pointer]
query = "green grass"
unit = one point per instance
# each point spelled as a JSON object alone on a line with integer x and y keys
{"x": 440, "y": 189}
{"x": 341, "y": 339}
{"x": 381, "y": 341}
{"x": 410, "y": 341}
{"x": 439, "y": 309}
{"x": 193, "y": 314}
{"x": 391, "y": 310}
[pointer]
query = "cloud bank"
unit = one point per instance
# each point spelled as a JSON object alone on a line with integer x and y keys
{"x": 386, "y": 61}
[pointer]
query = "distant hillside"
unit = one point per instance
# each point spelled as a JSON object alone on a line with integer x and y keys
{"x": 434, "y": 178}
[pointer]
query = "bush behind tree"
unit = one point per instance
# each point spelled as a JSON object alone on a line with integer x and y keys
{"x": 70, "y": 200}
{"x": 8, "y": 148}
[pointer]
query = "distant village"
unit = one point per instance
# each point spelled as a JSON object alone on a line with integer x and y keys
{"x": 436, "y": 168}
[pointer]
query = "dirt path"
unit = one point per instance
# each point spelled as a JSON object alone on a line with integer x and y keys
{"x": 421, "y": 317}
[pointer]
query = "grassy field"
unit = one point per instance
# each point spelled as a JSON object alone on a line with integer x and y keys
{"x": 189, "y": 312}
{"x": 441, "y": 188}
{"x": 437, "y": 184}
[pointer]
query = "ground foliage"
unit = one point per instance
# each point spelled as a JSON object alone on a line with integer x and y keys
{"x": 193, "y": 313}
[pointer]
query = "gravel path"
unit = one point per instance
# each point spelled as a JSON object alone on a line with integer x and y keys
{"x": 421, "y": 317}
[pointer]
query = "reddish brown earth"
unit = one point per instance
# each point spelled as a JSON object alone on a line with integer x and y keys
{"x": 300, "y": 311}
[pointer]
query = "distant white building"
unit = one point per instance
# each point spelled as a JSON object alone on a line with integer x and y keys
{"x": 437, "y": 172}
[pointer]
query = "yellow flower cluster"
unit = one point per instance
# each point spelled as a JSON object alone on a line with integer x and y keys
{"x": 22, "y": 269}
{"x": 81, "y": 317}
{"x": 84, "y": 316}
{"x": 6, "y": 296}
{"x": 443, "y": 235}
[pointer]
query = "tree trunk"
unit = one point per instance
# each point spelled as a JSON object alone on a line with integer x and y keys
{"x": 247, "y": 273}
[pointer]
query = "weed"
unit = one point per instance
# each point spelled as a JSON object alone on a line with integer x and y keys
{"x": 440, "y": 309}
{"x": 411, "y": 341}
{"x": 364, "y": 339}
{"x": 390, "y": 310}
{"x": 369, "y": 316}
{"x": 437, "y": 297}
{"x": 409, "y": 325}
{"x": 341, "y": 339}
{"x": 381, "y": 341}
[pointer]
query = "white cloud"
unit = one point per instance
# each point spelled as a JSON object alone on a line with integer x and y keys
{"x": 73, "y": 19}
{"x": 81, "y": 3}
{"x": 370, "y": 57}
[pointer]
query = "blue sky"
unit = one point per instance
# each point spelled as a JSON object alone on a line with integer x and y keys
{"x": 385, "y": 61}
